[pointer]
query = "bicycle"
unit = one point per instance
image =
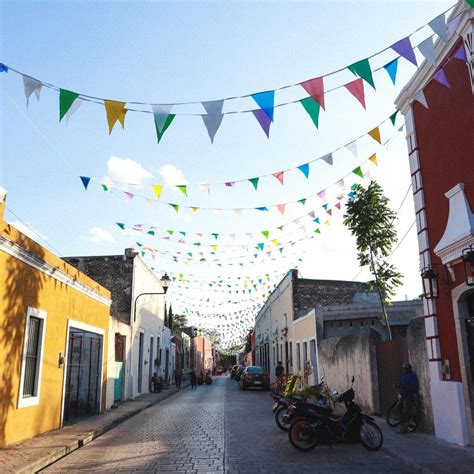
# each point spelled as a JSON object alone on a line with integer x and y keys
{"x": 393, "y": 414}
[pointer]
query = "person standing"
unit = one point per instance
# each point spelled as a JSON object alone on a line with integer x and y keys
{"x": 177, "y": 378}
{"x": 408, "y": 388}
{"x": 193, "y": 379}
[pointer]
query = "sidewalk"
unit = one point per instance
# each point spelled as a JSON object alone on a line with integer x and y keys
{"x": 34, "y": 454}
{"x": 425, "y": 453}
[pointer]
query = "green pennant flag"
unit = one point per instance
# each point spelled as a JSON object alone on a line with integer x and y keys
{"x": 174, "y": 206}
{"x": 317, "y": 231}
{"x": 160, "y": 133}
{"x": 183, "y": 189}
{"x": 393, "y": 117}
{"x": 302, "y": 201}
{"x": 312, "y": 107}
{"x": 281, "y": 250}
{"x": 104, "y": 188}
{"x": 171, "y": 232}
{"x": 215, "y": 236}
{"x": 190, "y": 254}
{"x": 354, "y": 186}
{"x": 122, "y": 226}
{"x": 358, "y": 172}
{"x": 66, "y": 99}
{"x": 202, "y": 259}
{"x": 362, "y": 69}
{"x": 266, "y": 233}
{"x": 254, "y": 181}
{"x": 198, "y": 244}
{"x": 143, "y": 253}
{"x": 151, "y": 232}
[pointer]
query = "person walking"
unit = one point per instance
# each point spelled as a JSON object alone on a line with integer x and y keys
{"x": 408, "y": 388}
{"x": 193, "y": 379}
{"x": 177, "y": 378}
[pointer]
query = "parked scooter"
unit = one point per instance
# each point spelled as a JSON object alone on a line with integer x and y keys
{"x": 314, "y": 427}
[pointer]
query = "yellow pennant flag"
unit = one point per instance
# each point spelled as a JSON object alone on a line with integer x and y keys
{"x": 328, "y": 222}
{"x": 115, "y": 111}
{"x": 275, "y": 242}
{"x": 214, "y": 247}
{"x": 194, "y": 209}
{"x": 157, "y": 188}
{"x": 373, "y": 159}
{"x": 375, "y": 134}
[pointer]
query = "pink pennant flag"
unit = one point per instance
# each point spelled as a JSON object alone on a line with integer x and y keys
{"x": 279, "y": 176}
{"x": 148, "y": 201}
{"x": 356, "y": 88}
{"x": 281, "y": 208}
{"x": 315, "y": 88}
{"x": 440, "y": 77}
{"x": 322, "y": 194}
{"x": 338, "y": 205}
{"x": 128, "y": 196}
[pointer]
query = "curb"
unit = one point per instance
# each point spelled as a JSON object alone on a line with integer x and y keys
{"x": 83, "y": 441}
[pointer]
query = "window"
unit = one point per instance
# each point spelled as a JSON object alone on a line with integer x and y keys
{"x": 291, "y": 354}
{"x": 305, "y": 353}
{"x": 119, "y": 348}
{"x": 298, "y": 356}
{"x": 30, "y": 379}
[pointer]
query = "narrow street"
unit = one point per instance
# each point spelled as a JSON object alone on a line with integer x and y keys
{"x": 214, "y": 428}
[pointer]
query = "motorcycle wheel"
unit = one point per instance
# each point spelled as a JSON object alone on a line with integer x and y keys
{"x": 302, "y": 436}
{"x": 370, "y": 435}
{"x": 393, "y": 418}
{"x": 281, "y": 411}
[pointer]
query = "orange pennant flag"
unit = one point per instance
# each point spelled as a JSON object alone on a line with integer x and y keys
{"x": 115, "y": 111}
{"x": 373, "y": 159}
{"x": 375, "y": 134}
{"x": 157, "y": 188}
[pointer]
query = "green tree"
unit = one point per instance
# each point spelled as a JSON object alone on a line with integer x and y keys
{"x": 370, "y": 219}
{"x": 180, "y": 322}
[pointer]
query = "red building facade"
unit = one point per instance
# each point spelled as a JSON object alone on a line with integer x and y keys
{"x": 440, "y": 136}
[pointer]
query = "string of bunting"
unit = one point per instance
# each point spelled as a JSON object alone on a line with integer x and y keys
{"x": 163, "y": 114}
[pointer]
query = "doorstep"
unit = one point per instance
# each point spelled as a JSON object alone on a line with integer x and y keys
{"x": 426, "y": 453}
{"x": 34, "y": 454}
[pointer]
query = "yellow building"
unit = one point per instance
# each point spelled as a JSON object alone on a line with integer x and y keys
{"x": 53, "y": 339}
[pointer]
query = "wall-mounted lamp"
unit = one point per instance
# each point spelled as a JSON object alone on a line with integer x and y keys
{"x": 468, "y": 264}
{"x": 430, "y": 283}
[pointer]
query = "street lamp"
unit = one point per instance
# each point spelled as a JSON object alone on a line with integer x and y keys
{"x": 430, "y": 283}
{"x": 165, "y": 283}
{"x": 468, "y": 261}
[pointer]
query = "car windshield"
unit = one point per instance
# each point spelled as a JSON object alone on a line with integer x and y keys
{"x": 254, "y": 370}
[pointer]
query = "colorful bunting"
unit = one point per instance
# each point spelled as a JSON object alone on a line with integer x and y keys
{"x": 214, "y": 117}
{"x": 264, "y": 121}
{"x": 281, "y": 208}
{"x": 358, "y": 172}
{"x": 315, "y": 88}
{"x": 75, "y": 105}
{"x": 279, "y": 176}
{"x": 427, "y": 49}
{"x": 440, "y": 77}
{"x": 375, "y": 134}
{"x": 328, "y": 158}
{"x": 356, "y": 88}
{"x": 393, "y": 117}
{"x": 438, "y": 25}
{"x": 183, "y": 189}
{"x": 263, "y": 208}
{"x": 265, "y": 233}
{"x": 391, "y": 68}
{"x": 254, "y": 182}
{"x": 157, "y": 188}
{"x": 3, "y": 68}
{"x": 230, "y": 184}
{"x": 302, "y": 201}
{"x": 420, "y": 97}
{"x": 160, "y": 118}
{"x": 312, "y": 108}
{"x": 373, "y": 159}
{"x": 85, "y": 181}
{"x": 175, "y": 207}
{"x": 115, "y": 111}
{"x": 265, "y": 101}
{"x": 31, "y": 85}
{"x": 122, "y": 226}
{"x": 128, "y": 196}
{"x": 261, "y": 246}
{"x": 322, "y": 195}
{"x": 404, "y": 48}
{"x": 362, "y": 69}
{"x": 352, "y": 147}
{"x": 304, "y": 169}
{"x": 460, "y": 53}
{"x": 66, "y": 99}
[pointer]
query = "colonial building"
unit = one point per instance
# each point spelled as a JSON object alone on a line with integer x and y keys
{"x": 54, "y": 324}
{"x": 137, "y": 331}
{"x": 438, "y": 107}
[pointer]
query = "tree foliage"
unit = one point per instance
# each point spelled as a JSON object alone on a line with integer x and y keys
{"x": 180, "y": 321}
{"x": 371, "y": 221}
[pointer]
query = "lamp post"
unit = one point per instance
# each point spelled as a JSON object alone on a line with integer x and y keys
{"x": 468, "y": 261}
{"x": 165, "y": 282}
{"x": 430, "y": 283}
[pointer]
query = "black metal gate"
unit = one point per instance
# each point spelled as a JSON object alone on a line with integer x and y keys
{"x": 83, "y": 374}
{"x": 390, "y": 357}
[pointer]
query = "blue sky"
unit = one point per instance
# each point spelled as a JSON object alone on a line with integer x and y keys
{"x": 167, "y": 52}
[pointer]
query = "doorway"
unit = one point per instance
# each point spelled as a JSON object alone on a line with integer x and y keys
{"x": 140, "y": 362}
{"x": 119, "y": 367}
{"x": 151, "y": 363}
{"x": 469, "y": 326}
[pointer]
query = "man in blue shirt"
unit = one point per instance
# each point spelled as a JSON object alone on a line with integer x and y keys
{"x": 408, "y": 388}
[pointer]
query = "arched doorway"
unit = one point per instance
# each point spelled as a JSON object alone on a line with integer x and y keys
{"x": 469, "y": 328}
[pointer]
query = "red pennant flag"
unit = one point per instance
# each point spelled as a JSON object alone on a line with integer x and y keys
{"x": 338, "y": 205}
{"x": 356, "y": 88}
{"x": 279, "y": 176}
{"x": 315, "y": 88}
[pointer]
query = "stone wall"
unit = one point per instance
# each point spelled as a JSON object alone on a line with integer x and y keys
{"x": 114, "y": 272}
{"x": 418, "y": 357}
{"x": 340, "y": 358}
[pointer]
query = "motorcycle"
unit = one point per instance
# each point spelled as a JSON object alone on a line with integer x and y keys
{"x": 313, "y": 427}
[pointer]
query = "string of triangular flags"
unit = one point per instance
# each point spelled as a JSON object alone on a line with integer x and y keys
{"x": 163, "y": 114}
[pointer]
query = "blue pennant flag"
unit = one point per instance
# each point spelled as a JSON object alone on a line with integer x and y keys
{"x": 85, "y": 181}
{"x": 3, "y": 68}
{"x": 265, "y": 101}
{"x": 304, "y": 169}
{"x": 391, "y": 68}
{"x": 261, "y": 208}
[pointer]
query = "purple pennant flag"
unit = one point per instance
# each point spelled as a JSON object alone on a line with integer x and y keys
{"x": 264, "y": 120}
{"x": 405, "y": 49}
{"x": 460, "y": 53}
{"x": 128, "y": 196}
{"x": 230, "y": 184}
{"x": 440, "y": 76}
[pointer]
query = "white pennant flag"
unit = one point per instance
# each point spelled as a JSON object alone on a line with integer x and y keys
{"x": 213, "y": 119}
{"x": 340, "y": 185}
{"x": 31, "y": 85}
{"x": 205, "y": 187}
{"x": 426, "y": 48}
{"x": 160, "y": 114}
{"x": 352, "y": 147}
{"x": 328, "y": 158}
{"x": 238, "y": 211}
{"x": 438, "y": 25}
{"x": 75, "y": 105}
{"x": 420, "y": 97}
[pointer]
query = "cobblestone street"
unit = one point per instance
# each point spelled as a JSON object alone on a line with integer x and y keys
{"x": 214, "y": 428}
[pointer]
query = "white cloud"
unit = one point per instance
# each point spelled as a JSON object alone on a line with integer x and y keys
{"x": 126, "y": 171}
{"x": 33, "y": 234}
{"x": 96, "y": 234}
{"x": 172, "y": 175}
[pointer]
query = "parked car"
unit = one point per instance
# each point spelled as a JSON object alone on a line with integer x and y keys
{"x": 238, "y": 373}
{"x": 254, "y": 376}
{"x": 234, "y": 371}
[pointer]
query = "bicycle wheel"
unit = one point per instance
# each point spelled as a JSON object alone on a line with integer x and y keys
{"x": 302, "y": 436}
{"x": 371, "y": 436}
{"x": 279, "y": 418}
{"x": 393, "y": 417}
{"x": 414, "y": 419}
